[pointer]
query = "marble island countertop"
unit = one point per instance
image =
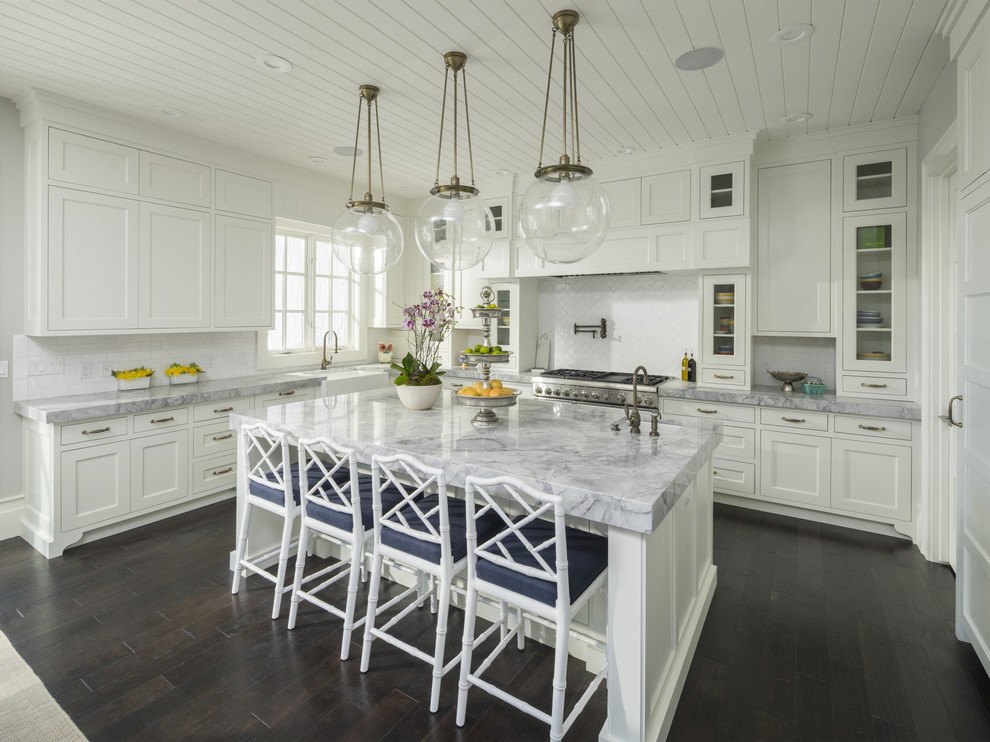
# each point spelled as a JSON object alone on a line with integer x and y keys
{"x": 612, "y": 478}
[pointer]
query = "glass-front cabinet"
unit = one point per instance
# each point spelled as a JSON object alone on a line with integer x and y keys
{"x": 874, "y": 309}
{"x": 724, "y": 331}
{"x": 875, "y": 180}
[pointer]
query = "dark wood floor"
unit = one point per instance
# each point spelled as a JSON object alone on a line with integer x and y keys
{"x": 815, "y": 632}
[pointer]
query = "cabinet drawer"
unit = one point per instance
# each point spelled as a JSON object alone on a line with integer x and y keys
{"x": 709, "y": 410}
{"x": 873, "y": 385}
{"x": 738, "y": 442}
{"x": 161, "y": 419}
{"x": 787, "y": 418}
{"x": 724, "y": 377}
{"x": 873, "y": 427}
{"x": 734, "y": 476}
{"x": 214, "y": 474}
{"x": 213, "y": 438}
{"x": 284, "y": 397}
{"x": 221, "y": 409}
{"x": 94, "y": 430}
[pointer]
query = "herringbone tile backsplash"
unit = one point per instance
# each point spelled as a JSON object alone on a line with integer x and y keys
{"x": 652, "y": 320}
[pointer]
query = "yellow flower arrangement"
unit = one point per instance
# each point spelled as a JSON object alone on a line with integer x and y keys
{"x": 177, "y": 368}
{"x": 132, "y": 373}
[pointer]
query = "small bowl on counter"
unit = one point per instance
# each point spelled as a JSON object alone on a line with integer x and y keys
{"x": 788, "y": 377}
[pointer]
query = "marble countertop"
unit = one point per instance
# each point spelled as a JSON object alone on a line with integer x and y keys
{"x": 89, "y": 406}
{"x": 612, "y": 478}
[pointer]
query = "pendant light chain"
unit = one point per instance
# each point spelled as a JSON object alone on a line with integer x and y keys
{"x": 546, "y": 100}
{"x": 572, "y": 47}
{"x": 565, "y": 103}
{"x": 357, "y": 138}
{"x": 381, "y": 163}
{"x": 443, "y": 117}
{"x": 467, "y": 122}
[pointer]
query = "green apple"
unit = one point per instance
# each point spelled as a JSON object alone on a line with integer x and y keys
{"x": 478, "y": 347}
{"x": 484, "y": 350}
{"x": 497, "y": 349}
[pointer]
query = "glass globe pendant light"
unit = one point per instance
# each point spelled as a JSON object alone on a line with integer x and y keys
{"x": 367, "y": 238}
{"x": 564, "y": 213}
{"x": 454, "y": 227}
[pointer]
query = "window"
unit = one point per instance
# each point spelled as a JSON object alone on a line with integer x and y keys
{"x": 314, "y": 293}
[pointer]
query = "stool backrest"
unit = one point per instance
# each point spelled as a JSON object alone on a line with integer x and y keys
{"x": 329, "y": 477}
{"x": 545, "y": 559}
{"x": 268, "y": 459}
{"x": 413, "y": 480}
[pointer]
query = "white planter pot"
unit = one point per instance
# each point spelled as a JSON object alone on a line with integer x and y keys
{"x": 183, "y": 379}
{"x": 127, "y": 384}
{"x": 419, "y": 397}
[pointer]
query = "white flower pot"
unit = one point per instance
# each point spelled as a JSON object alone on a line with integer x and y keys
{"x": 127, "y": 384}
{"x": 183, "y": 379}
{"x": 419, "y": 397}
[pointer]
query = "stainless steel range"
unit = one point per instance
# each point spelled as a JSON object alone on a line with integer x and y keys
{"x": 612, "y": 389}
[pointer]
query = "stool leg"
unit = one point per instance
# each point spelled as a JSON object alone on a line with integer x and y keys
{"x": 521, "y": 634}
{"x": 241, "y": 548}
{"x": 283, "y": 564}
{"x": 357, "y": 567}
{"x": 559, "y": 682}
{"x": 369, "y": 621}
{"x": 300, "y": 568}
{"x": 442, "y": 610}
{"x": 467, "y": 647}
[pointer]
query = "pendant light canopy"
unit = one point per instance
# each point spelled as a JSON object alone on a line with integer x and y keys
{"x": 454, "y": 227}
{"x": 366, "y": 237}
{"x": 564, "y": 213}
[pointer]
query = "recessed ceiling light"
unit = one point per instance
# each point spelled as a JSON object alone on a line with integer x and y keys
{"x": 316, "y": 159}
{"x": 347, "y": 152}
{"x": 698, "y": 59}
{"x": 500, "y": 172}
{"x": 796, "y": 118}
{"x": 173, "y": 113}
{"x": 792, "y": 34}
{"x": 623, "y": 150}
{"x": 273, "y": 63}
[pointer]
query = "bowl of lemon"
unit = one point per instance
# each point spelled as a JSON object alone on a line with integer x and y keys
{"x": 493, "y": 395}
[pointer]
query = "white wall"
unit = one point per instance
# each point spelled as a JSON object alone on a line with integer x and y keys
{"x": 937, "y": 112}
{"x": 11, "y": 308}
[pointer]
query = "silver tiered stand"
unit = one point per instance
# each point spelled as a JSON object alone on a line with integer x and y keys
{"x": 486, "y": 415}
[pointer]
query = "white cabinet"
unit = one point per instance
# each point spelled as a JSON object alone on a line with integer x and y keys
{"x": 242, "y": 270}
{"x": 623, "y": 202}
{"x": 973, "y": 93}
{"x": 174, "y": 260}
{"x": 722, "y": 190}
{"x": 721, "y": 243}
{"x": 159, "y": 470}
{"x": 91, "y": 162}
{"x": 241, "y": 194}
{"x": 795, "y": 467}
{"x": 874, "y": 180}
{"x": 92, "y": 261}
{"x": 171, "y": 179}
{"x": 724, "y": 338}
{"x": 874, "y": 308}
{"x": 666, "y": 197}
{"x": 794, "y": 250}
{"x": 871, "y": 478}
{"x": 95, "y": 484}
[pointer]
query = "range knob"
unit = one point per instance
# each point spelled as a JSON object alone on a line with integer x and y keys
{"x": 556, "y": 392}
{"x": 594, "y": 395}
{"x": 567, "y": 392}
{"x": 605, "y": 396}
{"x": 537, "y": 390}
{"x": 649, "y": 400}
{"x": 584, "y": 395}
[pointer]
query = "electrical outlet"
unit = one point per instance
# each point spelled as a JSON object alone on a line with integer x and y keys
{"x": 242, "y": 360}
{"x": 85, "y": 370}
{"x": 211, "y": 362}
{"x": 44, "y": 368}
{"x": 105, "y": 369}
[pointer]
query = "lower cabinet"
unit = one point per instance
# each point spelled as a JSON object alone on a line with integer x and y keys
{"x": 96, "y": 482}
{"x": 871, "y": 478}
{"x": 795, "y": 467}
{"x": 159, "y": 470}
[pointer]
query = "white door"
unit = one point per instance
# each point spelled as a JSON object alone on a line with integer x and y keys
{"x": 973, "y": 483}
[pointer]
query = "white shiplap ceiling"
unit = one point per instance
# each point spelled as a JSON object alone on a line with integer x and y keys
{"x": 867, "y": 60}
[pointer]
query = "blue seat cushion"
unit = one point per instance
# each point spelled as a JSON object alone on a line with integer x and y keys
{"x": 457, "y": 516}
{"x": 587, "y": 557}
{"x": 390, "y": 498}
{"x": 273, "y": 492}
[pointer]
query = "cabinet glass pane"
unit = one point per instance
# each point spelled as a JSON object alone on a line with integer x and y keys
{"x": 721, "y": 191}
{"x": 874, "y": 180}
{"x": 724, "y": 319}
{"x": 874, "y": 253}
{"x": 503, "y": 300}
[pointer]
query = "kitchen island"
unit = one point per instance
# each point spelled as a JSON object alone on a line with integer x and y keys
{"x": 653, "y": 497}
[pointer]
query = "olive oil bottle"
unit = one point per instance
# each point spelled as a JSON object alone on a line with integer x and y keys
{"x": 685, "y": 366}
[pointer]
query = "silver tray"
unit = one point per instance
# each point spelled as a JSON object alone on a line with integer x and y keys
{"x": 487, "y": 357}
{"x": 488, "y": 401}
{"x": 482, "y": 312}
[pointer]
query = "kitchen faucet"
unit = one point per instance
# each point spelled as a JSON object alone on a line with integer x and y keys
{"x": 633, "y": 417}
{"x": 326, "y": 363}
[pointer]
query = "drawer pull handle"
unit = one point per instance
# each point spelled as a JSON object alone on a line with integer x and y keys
{"x": 163, "y": 420}
{"x": 456, "y": 386}
{"x": 287, "y": 394}
{"x": 228, "y": 470}
{"x": 707, "y": 412}
{"x": 98, "y": 430}
{"x": 874, "y": 386}
{"x": 724, "y": 376}
{"x": 218, "y": 410}
{"x": 223, "y": 437}
{"x": 793, "y": 419}
{"x": 878, "y": 429}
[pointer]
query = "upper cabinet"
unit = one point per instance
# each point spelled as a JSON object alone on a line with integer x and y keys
{"x": 973, "y": 92}
{"x": 130, "y": 244}
{"x": 623, "y": 201}
{"x": 794, "y": 265}
{"x": 722, "y": 191}
{"x": 666, "y": 198}
{"x": 875, "y": 180}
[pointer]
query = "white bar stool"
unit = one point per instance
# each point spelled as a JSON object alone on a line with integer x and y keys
{"x": 544, "y": 568}
{"x": 424, "y": 532}
{"x": 337, "y": 505}
{"x": 273, "y": 485}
